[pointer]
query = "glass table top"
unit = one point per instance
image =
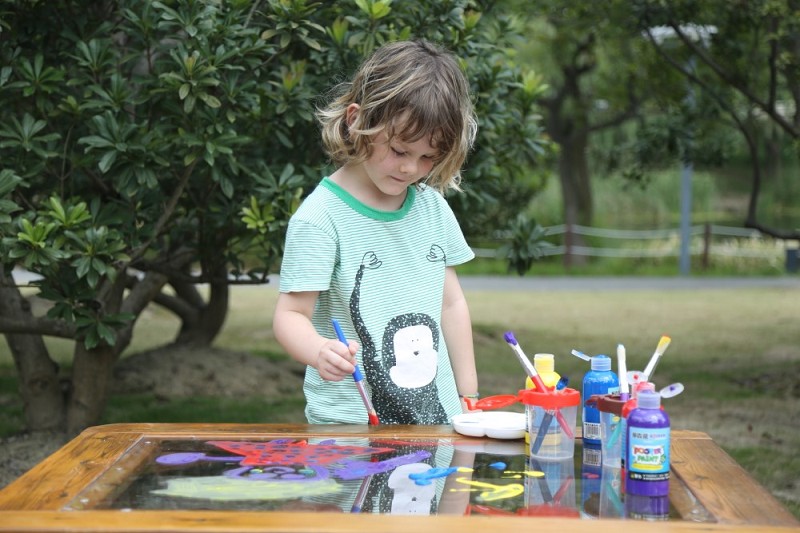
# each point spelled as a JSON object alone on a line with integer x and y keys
{"x": 370, "y": 475}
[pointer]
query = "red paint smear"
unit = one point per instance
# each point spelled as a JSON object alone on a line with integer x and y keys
{"x": 297, "y": 452}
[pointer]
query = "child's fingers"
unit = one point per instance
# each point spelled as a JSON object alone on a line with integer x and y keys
{"x": 354, "y": 347}
{"x": 335, "y": 361}
{"x": 343, "y": 364}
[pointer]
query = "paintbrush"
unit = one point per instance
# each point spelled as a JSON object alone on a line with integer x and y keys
{"x": 622, "y": 372}
{"x": 663, "y": 343}
{"x": 359, "y": 379}
{"x": 537, "y": 381}
{"x": 547, "y": 419}
{"x": 525, "y": 362}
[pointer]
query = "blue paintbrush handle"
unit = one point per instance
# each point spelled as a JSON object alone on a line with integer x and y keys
{"x": 339, "y": 332}
{"x": 545, "y": 425}
{"x": 358, "y": 378}
{"x": 357, "y": 375}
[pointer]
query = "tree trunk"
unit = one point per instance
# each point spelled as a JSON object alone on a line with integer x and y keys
{"x": 42, "y": 399}
{"x": 773, "y": 162}
{"x": 573, "y": 171}
{"x": 208, "y": 318}
{"x": 91, "y": 377}
{"x": 92, "y": 369}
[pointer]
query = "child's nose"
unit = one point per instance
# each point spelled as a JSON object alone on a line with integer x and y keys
{"x": 409, "y": 166}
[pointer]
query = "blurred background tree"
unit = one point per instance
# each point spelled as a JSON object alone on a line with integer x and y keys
{"x": 633, "y": 87}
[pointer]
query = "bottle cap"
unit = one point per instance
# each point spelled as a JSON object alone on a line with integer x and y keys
{"x": 601, "y": 362}
{"x": 648, "y": 400}
{"x": 544, "y": 362}
{"x": 643, "y": 386}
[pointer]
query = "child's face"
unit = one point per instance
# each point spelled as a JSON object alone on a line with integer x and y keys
{"x": 395, "y": 165}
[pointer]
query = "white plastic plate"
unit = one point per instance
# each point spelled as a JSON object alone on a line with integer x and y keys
{"x": 493, "y": 424}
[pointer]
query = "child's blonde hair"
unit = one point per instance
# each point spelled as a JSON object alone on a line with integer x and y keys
{"x": 414, "y": 85}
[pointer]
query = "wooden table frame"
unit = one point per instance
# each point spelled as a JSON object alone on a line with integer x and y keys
{"x": 702, "y": 472}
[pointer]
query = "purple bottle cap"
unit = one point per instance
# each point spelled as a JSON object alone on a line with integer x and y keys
{"x": 648, "y": 400}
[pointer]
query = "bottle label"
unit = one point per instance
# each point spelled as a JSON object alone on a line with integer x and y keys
{"x": 648, "y": 454}
{"x": 623, "y": 431}
{"x": 591, "y": 430}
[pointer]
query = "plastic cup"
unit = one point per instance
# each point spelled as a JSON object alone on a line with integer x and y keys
{"x": 545, "y": 411}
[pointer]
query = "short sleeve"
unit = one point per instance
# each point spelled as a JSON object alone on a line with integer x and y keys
{"x": 309, "y": 258}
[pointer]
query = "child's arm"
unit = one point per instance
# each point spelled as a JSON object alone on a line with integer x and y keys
{"x": 295, "y": 332}
{"x": 457, "y": 329}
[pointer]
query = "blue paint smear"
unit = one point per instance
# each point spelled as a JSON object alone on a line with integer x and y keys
{"x": 424, "y": 478}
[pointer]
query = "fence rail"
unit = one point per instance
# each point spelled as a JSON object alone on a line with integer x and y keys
{"x": 705, "y": 242}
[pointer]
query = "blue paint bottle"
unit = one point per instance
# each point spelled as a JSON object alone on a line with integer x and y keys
{"x": 647, "y": 442}
{"x": 599, "y": 380}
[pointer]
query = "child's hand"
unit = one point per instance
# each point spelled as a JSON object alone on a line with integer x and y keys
{"x": 335, "y": 360}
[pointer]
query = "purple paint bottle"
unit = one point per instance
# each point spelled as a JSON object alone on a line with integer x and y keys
{"x": 647, "y": 453}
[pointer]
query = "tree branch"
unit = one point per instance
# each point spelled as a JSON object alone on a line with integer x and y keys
{"x": 750, "y": 221}
{"x": 701, "y": 53}
{"x": 169, "y": 209}
{"x": 37, "y": 326}
{"x": 771, "y": 231}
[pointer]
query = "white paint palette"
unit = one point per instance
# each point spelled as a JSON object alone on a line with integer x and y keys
{"x": 492, "y": 424}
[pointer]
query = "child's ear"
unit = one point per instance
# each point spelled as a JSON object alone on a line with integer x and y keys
{"x": 351, "y": 113}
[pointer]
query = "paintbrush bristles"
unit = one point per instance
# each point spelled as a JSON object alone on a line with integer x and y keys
{"x": 663, "y": 343}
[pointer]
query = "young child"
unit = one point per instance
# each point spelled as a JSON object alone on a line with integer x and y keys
{"x": 375, "y": 244}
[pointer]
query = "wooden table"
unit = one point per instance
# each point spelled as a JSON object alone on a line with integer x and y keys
{"x": 59, "y": 493}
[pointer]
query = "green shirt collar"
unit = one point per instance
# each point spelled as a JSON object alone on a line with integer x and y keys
{"x": 366, "y": 210}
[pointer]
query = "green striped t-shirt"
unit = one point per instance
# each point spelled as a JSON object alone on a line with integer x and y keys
{"x": 381, "y": 275}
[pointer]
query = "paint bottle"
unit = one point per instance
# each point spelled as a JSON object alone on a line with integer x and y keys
{"x": 599, "y": 380}
{"x": 629, "y": 406}
{"x": 545, "y": 366}
{"x": 648, "y": 439}
{"x": 544, "y": 363}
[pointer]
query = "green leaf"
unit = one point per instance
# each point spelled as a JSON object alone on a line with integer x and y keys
{"x": 227, "y": 187}
{"x": 91, "y": 340}
{"x": 107, "y": 161}
{"x": 188, "y": 104}
{"x": 107, "y": 334}
{"x": 210, "y": 100}
{"x": 95, "y": 141}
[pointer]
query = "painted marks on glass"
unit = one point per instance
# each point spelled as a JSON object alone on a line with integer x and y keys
{"x": 286, "y": 451}
{"x": 287, "y": 469}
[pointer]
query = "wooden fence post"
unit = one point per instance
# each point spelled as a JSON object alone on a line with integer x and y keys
{"x": 568, "y": 245}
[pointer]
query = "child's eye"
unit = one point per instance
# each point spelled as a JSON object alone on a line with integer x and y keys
{"x": 398, "y": 152}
